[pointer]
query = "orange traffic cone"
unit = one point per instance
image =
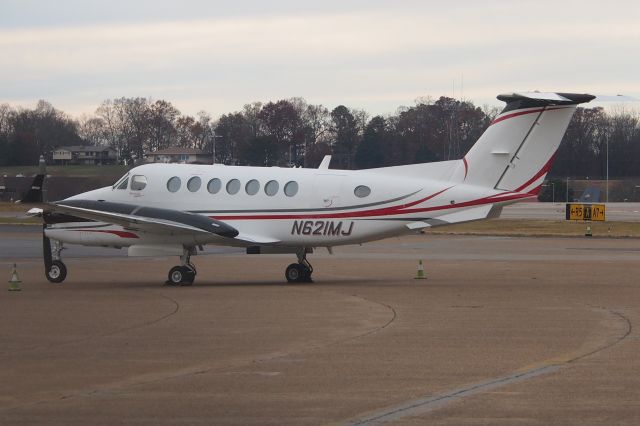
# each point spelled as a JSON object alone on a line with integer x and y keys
{"x": 420, "y": 273}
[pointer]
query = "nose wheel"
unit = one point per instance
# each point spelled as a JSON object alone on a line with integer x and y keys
{"x": 57, "y": 272}
{"x": 54, "y": 269}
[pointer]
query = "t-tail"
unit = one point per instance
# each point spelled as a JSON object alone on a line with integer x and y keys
{"x": 517, "y": 150}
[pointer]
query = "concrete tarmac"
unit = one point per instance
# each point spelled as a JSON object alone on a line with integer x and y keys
{"x": 502, "y": 331}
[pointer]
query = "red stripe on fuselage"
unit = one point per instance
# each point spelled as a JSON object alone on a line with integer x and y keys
{"x": 365, "y": 213}
{"x": 391, "y": 211}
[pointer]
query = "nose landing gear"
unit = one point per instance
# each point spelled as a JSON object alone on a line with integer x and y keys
{"x": 54, "y": 269}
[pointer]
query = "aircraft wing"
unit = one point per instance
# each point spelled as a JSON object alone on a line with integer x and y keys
{"x": 149, "y": 219}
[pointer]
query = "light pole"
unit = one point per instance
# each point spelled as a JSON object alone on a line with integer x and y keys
{"x": 553, "y": 191}
{"x": 567, "y": 189}
{"x": 607, "y": 184}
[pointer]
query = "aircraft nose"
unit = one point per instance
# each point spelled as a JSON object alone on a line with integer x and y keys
{"x": 96, "y": 194}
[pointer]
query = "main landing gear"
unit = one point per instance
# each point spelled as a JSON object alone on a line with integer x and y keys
{"x": 54, "y": 269}
{"x": 184, "y": 274}
{"x": 299, "y": 272}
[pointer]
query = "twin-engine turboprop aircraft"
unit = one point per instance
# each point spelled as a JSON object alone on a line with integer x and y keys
{"x": 175, "y": 209}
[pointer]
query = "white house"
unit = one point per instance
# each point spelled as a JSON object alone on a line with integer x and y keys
{"x": 179, "y": 155}
{"x": 84, "y": 155}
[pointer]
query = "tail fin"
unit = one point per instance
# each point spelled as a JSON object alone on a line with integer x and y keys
{"x": 34, "y": 195}
{"x": 516, "y": 151}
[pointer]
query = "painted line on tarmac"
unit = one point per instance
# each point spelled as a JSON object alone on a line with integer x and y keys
{"x": 424, "y": 405}
{"x": 427, "y": 404}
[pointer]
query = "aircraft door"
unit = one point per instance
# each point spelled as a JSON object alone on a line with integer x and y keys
{"x": 327, "y": 189}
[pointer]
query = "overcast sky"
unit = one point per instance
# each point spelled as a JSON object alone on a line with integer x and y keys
{"x": 376, "y": 55}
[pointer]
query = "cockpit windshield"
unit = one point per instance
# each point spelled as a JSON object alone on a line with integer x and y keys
{"x": 121, "y": 183}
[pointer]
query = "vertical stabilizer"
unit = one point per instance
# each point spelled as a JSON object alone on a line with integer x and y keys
{"x": 34, "y": 195}
{"x": 516, "y": 151}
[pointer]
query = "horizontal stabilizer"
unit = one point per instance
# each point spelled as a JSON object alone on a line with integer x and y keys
{"x": 547, "y": 98}
{"x": 469, "y": 215}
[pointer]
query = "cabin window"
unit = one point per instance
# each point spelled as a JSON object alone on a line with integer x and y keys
{"x": 138, "y": 182}
{"x": 291, "y": 188}
{"x": 271, "y": 188}
{"x": 252, "y": 187}
{"x": 173, "y": 185}
{"x": 214, "y": 186}
{"x": 194, "y": 183}
{"x": 233, "y": 186}
{"x": 362, "y": 191}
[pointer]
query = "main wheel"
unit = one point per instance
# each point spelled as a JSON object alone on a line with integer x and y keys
{"x": 57, "y": 272}
{"x": 181, "y": 275}
{"x": 177, "y": 275}
{"x": 295, "y": 273}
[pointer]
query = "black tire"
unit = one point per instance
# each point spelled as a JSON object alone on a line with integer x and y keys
{"x": 57, "y": 272}
{"x": 294, "y": 273}
{"x": 176, "y": 275}
{"x": 181, "y": 275}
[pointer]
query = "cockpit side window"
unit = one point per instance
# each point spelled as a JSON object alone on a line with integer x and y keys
{"x": 138, "y": 182}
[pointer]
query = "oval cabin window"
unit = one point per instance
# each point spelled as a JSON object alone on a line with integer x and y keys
{"x": 362, "y": 191}
{"x": 194, "y": 184}
{"x": 233, "y": 186}
{"x": 252, "y": 187}
{"x": 214, "y": 186}
{"x": 173, "y": 185}
{"x": 271, "y": 188}
{"x": 291, "y": 188}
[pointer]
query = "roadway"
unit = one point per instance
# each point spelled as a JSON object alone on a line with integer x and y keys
{"x": 503, "y": 331}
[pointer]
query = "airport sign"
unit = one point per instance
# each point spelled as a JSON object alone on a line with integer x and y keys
{"x": 592, "y": 212}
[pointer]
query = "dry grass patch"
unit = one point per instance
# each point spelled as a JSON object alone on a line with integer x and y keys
{"x": 542, "y": 228}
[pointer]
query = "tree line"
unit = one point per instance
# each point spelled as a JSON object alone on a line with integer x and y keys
{"x": 292, "y": 132}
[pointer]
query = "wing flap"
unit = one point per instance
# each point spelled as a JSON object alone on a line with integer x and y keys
{"x": 257, "y": 240}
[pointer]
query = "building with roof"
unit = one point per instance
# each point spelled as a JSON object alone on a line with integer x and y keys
{"x": 179, "y": 155}
{"x": 84, "y": 155}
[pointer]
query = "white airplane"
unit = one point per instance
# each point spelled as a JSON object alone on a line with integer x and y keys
{"x": 176, "y": 209}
